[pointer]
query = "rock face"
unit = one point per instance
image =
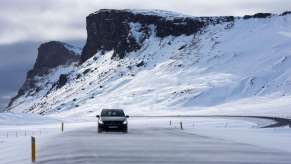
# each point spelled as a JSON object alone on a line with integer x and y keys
{"x": 50, "y": 55}
{"x": 110, "y": 29}
{"x": 286, "y": 13}
{"x": 258, "y": 15}
{"x": 62, "y": 80}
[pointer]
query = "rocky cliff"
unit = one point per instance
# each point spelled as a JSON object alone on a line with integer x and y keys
{"x": 50, "y": 55}
{"x": 111, "y": 29}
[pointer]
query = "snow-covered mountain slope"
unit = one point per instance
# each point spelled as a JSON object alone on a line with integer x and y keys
{"x": 242, "y": 64}
{"x": 54, "y": 59}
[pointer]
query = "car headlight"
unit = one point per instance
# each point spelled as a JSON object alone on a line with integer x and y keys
{"x": 100, "y": 121}
{"x": 124, "y": 122}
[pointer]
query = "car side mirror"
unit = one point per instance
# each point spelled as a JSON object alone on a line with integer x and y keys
{"x": 127, "y": 116}
{"x": 97, "y": 116}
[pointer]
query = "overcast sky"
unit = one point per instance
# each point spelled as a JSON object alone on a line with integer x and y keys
{"x": 23, "y": 20}
{"x": 24, "y": 24}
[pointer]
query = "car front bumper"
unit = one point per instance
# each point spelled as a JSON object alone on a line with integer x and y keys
{"x": 112, "y": 126}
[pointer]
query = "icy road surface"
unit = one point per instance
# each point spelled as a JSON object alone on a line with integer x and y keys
{"x": 153, "y": 143}
{"x": 202, "y": 141}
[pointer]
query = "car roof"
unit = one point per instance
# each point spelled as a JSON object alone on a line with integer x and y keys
{"x": 112, "y": 110}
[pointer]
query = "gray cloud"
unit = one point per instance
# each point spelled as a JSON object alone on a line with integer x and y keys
{"x": 65, "y": 19}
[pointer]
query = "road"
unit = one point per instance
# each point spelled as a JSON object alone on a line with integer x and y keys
{"x": 145, "y": 145}
{"x": 278, "y": 121}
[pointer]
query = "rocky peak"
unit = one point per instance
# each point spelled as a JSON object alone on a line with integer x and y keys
{"x": 110, "y": 29}
{"x": 50, "y": 51}
{"x": 50, "y": 55}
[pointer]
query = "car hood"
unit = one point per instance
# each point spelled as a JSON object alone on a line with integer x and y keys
{"x": 113, "y": 118}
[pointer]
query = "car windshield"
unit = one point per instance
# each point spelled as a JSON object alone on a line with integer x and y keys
{"x": 112, "y": 113}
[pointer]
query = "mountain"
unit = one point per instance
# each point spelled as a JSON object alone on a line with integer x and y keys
{"x": 160, "y": 61}
{"x": 51, "y": 55}
{"x": 111, "y": 29}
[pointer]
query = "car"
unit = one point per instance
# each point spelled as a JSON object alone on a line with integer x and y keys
{"x": 112, "y": 119}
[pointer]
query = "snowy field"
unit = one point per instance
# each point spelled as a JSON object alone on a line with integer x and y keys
{"x": 150, "y": 140}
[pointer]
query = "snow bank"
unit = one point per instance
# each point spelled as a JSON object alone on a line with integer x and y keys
{"x": 24, "y": 119}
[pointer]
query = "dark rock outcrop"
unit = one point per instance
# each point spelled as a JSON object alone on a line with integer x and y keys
{"x": 110, "y": 29}
{"x": 50, "y": 55}
{"x": 258, "y": 15}
{"x": 285, "y": 13}
{"x": 63, "y": 79}
{"x": 140, "y": 64}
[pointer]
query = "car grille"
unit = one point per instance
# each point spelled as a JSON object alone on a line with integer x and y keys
{"x": 112, "y": 122}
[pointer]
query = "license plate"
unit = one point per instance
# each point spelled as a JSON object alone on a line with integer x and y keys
{"x": 112, "y": 127}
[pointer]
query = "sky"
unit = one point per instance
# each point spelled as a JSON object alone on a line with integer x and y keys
{"x": 24, "y": 24}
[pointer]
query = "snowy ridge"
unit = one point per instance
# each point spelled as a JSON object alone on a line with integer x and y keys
{"x": 212, "y": 72}
{"x": 46, "y": 83}
{"x": 76, "y": 50}
{"x": 161, "y": 13}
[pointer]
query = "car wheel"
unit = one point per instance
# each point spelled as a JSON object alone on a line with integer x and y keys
{"x": 99, "y": 130}
{"x": 125, "y": 130}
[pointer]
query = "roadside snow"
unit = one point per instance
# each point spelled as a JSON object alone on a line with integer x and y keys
{"x": 24, "y": 119}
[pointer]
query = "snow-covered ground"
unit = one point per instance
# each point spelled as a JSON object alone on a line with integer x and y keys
{"x": 150, "y": 140}
{"x": 17, "y": 119}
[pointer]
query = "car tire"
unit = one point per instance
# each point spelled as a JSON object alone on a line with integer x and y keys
{"x": 99, "y": 130}
{"x": 125, "y": 130}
